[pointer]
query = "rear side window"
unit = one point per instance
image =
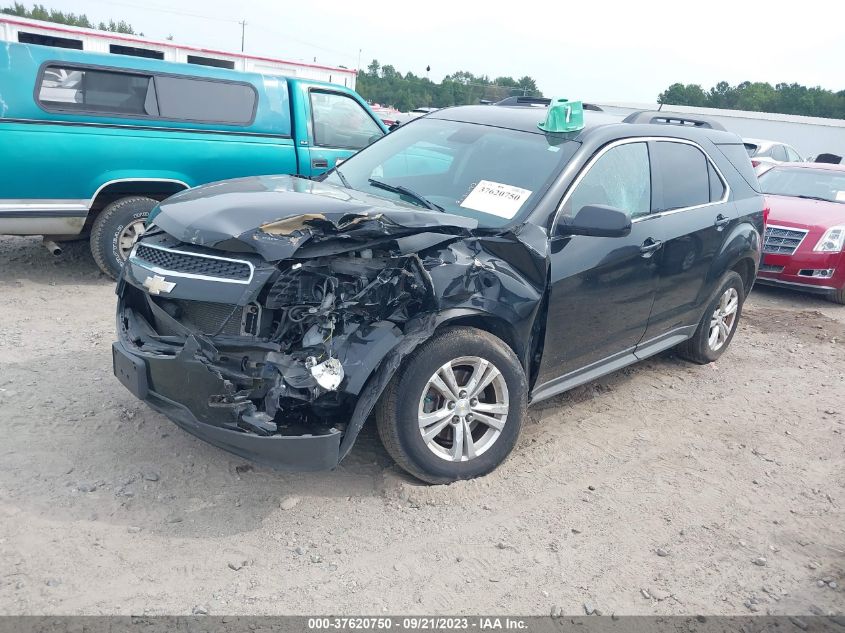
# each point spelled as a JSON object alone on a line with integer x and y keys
{"x": 685, "y": 174}
{"x": 740, "y": 160}
{"x": 205, "y": 101}
{"x": 779, "y": 153}
{"x": 794, "y": 157}
{"x": 96, "y": 91}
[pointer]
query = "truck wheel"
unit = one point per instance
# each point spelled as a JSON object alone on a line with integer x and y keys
{"x": 718, "y": 325}
{"x": 116, "y": 230}
{"x": 455, "y": 408}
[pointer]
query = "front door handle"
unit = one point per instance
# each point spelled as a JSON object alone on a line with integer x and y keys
{"x": 721, "y": 221}
{"x": 650, "y": 247}
{"x": 320, "y": 163}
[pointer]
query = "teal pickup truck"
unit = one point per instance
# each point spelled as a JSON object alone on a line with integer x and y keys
{"x": 92, "y": 142}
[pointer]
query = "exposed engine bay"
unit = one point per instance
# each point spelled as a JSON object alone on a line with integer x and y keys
{"x": 291, "y": 329}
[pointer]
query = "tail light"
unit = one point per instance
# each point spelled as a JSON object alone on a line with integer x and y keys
{"x": 755, "y": 163}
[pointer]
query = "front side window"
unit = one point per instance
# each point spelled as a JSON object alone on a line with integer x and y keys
{"x": 98, "y": 91}
{"x": 340, "y": 121}
{"x": 685, "y": 174}
{"x": 620, "y": 178}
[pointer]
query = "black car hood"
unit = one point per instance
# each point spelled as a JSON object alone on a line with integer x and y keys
{"x": 279, "y": 216}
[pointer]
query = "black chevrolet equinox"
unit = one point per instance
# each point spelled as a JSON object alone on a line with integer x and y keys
{"x": 471, "y": 263}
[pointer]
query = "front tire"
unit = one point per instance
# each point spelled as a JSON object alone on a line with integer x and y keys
{"x": 455, "y": 408}
{"x": 838, "y": 296}
{"x": 718, "y": 325}
{"x": 116, "y": 230}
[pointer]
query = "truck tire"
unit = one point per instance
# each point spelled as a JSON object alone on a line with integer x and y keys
{"x": 116, "y": 229}
{"x": 718, "y": 324}
{"x": 442, "y": 437}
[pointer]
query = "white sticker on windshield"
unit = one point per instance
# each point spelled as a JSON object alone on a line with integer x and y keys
{"x": 496, "y": 199}
{"x": 840, "y": 196}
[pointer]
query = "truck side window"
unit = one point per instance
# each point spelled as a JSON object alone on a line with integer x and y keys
{"x": 620, "y": 178}
{"x": 96, "y": 91}
{"x": 340, "y": 121}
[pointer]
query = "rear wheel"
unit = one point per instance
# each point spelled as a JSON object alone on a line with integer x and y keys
{"x": 455, "y": 408}
{"x": 116, "y": 230}
{"x": 718, "y": 325}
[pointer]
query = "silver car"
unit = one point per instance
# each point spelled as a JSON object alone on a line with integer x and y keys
{"x": 765, "y": 153}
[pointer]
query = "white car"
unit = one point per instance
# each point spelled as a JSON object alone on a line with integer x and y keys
{"x": 765, "y": 153}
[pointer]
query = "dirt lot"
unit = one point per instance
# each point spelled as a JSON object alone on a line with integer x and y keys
{"x": 663, "y": 488}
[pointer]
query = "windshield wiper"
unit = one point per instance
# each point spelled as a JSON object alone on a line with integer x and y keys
{"x": 400, "y": 189}
{"x": 814, "y": 198}
{"x": 341, "y": 176}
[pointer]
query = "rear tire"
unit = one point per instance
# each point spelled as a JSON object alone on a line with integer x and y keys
{"x": 718, "y": 324}
{"x": 468, "y": 435}
{"x": 116, "y": 229}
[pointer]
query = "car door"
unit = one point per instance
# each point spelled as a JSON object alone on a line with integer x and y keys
{"x": 339, "y": 126}
{"x": 602, "y": 288}
{"x": 691, "y": 204}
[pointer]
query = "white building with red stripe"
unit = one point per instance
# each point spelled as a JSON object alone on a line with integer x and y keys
{"x": 16, "y": 29}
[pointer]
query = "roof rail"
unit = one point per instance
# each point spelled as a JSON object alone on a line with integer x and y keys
{"x": 672, "y": 118}
{"x": 530, "y": 101}
{"x": 523, "y": 101}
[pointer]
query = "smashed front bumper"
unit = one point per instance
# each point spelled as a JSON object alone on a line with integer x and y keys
{"x": 174, "y": 386}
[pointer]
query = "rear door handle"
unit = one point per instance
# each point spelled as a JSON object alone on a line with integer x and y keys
{"x": 320, "y": 163}
{"x": 721, "y": 221}
{"x": 650, "y": 246}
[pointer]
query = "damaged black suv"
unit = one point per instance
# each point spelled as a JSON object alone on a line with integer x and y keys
{"x": 468, "y": 264}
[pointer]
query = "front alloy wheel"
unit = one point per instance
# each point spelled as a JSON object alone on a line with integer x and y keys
{"x": 463, "y": 408}
{"x": 455, "y": 407}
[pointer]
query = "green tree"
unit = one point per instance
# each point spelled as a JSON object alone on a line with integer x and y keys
{"x": 40, "y": 12}
{"x": 387, "y": 86}
{"x": 783, "y": 98}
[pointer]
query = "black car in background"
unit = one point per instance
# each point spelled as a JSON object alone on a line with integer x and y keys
{"x": 443, "y": 279}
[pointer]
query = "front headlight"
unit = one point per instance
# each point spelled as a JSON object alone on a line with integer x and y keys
{"x": 832, "y": 240}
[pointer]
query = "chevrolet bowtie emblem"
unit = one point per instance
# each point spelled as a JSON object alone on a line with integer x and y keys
{"x": 158, "y": 284}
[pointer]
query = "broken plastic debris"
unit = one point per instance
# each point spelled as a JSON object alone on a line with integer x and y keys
{"x": 328, "y": 374}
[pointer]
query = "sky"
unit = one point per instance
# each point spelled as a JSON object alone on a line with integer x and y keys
{"x": 608, "y": 51}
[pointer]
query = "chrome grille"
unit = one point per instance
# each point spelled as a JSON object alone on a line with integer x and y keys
{"x": 779, "y": 240}
{"x": 192, "y": 264}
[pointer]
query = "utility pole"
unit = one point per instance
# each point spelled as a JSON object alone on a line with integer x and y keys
{"x": 359, "y": 60}
{"x": 243, "y": 33}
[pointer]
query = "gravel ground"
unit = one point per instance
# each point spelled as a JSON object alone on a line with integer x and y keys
{"x": 665, "y": 488}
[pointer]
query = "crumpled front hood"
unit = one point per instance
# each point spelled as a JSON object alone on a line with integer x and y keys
{"x": 277, "y": 216}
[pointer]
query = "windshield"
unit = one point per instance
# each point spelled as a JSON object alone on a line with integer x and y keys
{"x": 490, "y": 174}
{"x": 822, "y": 184}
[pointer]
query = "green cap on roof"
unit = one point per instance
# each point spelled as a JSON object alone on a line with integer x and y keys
{"x": 563, "y": 116}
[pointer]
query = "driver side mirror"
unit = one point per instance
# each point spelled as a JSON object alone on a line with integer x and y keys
{"x": 596, "y": 220}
